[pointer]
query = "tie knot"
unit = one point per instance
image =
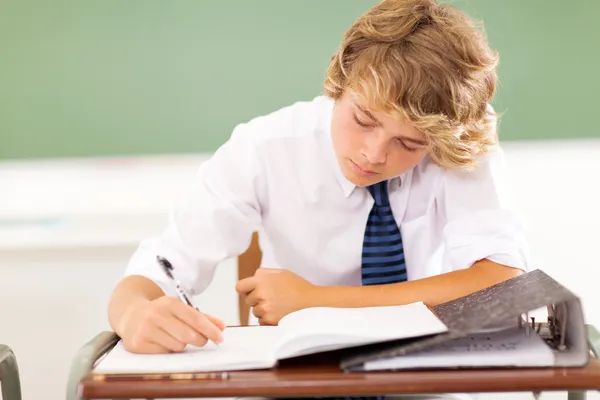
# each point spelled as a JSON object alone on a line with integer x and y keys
{"x": 379, "y": 191}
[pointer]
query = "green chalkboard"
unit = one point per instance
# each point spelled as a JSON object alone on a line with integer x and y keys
{"x": 107, "y": 77}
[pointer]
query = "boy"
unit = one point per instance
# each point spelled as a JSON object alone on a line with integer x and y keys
{"x": 383, "y": 191}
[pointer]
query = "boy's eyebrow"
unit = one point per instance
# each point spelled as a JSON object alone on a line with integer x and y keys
{"x": 408, "y": 139}
{"x": 367, "y": 113}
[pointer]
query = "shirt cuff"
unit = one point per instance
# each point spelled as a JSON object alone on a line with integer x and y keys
{"x": 144, "y": 263}
{"x": 496, "y": 235}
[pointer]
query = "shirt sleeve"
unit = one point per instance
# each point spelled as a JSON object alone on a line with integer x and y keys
{"x": 213, "y": 222}
{"x": 480, "y": 220}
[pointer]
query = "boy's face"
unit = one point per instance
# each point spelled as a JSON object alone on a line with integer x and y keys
{"x": 371, "y": 146}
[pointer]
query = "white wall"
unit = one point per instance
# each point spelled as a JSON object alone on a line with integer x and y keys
{"x": 56, "y": 275}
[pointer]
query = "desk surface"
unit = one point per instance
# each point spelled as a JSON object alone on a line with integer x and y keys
{"x": 327, "y": 380}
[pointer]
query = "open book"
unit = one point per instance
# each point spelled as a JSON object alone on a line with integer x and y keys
{"x": 303, "y": 332}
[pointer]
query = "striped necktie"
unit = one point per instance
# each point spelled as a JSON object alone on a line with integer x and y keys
{"x": 382, "y": 253}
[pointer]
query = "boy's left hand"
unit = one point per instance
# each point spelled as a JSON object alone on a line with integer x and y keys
{"x": 274, "y": 293}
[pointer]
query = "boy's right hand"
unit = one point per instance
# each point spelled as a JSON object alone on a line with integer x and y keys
{"x": 167, "y": 325}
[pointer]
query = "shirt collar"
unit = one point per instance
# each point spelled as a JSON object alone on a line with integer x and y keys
{"x": 346, "y": 186}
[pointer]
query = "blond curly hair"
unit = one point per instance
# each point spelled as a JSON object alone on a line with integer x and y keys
{"x": 427, "y": 63}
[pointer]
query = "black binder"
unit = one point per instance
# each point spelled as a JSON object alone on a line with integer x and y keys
{"x": 507, "y": 305}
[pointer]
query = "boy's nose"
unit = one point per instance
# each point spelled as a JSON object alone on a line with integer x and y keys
{"x": 374, "y": 151}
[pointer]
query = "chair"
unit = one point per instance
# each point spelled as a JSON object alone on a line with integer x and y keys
{"x": 9, "y": 374}
{"x": 248, "y": 263}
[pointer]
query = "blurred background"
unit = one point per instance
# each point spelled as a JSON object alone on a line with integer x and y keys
{"x": 108, "y": 107}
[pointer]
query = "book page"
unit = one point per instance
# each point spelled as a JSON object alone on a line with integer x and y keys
{"x": 328, "y": 328}
{"x": 242, "y": 348}
{"x": 508, "y": 348}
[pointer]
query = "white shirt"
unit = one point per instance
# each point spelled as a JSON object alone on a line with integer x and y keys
{"x": 278, "y": 174}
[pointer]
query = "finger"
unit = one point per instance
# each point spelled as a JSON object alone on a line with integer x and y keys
{"x": 220, "y": 324}
{"x": 266, "y": 321}
{"x": 246, "y": 285}
{"x": 258, "y": 311}
{"x": 180, "y": 332}
{"x": 252, "y": 298}
{"x": 198, "y": 321}
{"x": 141, "y": 346}
{"x": 163, "y": 338}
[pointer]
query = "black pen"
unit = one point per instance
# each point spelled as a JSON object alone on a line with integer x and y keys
{"x": 168, "y": 267}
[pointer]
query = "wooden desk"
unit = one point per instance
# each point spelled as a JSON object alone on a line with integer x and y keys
{"x": 303, "y": 378}
{"x": 327, "y": 380}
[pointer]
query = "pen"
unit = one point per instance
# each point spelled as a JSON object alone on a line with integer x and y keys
{"x": 167, "y": 268}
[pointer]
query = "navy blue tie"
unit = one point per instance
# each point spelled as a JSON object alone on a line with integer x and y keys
{"x": 382, "y": 254}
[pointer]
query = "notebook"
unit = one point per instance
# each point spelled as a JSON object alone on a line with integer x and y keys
{"x": 303, "y": 332}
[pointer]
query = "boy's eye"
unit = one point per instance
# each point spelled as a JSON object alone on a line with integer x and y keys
{"x": 407, "y": 148}
{"x": 361, "y": 123}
